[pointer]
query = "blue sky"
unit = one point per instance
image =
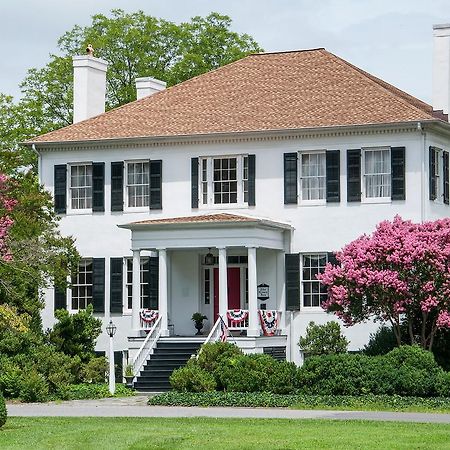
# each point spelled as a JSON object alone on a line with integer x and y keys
{"x": 391, "y": 39}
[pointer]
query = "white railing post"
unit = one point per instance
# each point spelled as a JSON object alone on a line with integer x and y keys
{"x": 147, "y": 347}
{"x": 253, "y": 328}
{"x": 136, "y": 291}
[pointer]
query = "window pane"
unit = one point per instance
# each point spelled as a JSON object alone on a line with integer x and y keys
{"x": 313, "y": 291}
{"x": 82, "y": 285}
{"x": 313, "y": 170}
{"x": 138, "y": 184}
{"x": 225, "y": 180}
{"x": 81, "y": 186}
{"x": 377, "y": 173}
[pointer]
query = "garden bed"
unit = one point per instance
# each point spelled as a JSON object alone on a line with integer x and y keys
{"x": 299, "y": 401}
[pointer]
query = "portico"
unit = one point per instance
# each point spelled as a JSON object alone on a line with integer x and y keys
{"x": 255, "y": 245}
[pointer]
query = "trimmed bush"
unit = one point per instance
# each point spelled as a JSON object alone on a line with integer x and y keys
{"x": 325, "y": 339}
{"x": 212, "y": 354}
{"x": 192, "y": 378}
{"x": 380, "y": 342}
{"x": 3, "y": 412}
{"x": 33, "y": 388}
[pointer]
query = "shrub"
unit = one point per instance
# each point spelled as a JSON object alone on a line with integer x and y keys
{"x": 33, "y": 387}
{"x": 3, "y": 412}
{"x": 443, "y": 384}
{"x": 192, "y": 378}
{"x": 283, "y": 378}
{"x": 323, "y": 339}
{"x": 75, "y": 334}
{"x": 380, "y": 342}
{"x": 210, "y": 355}
{"x": 10, "y": 378}
{"x": 95, "y": 370}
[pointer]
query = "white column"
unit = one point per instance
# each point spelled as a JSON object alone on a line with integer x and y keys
{"x": 223, "y": 284}
{"x": 136, "y": 291}
{"x": 163, "y": 297}
{"x": 112, "y": 375}
{"x": 253, "y": 328}
{"x": 281, "y": 295}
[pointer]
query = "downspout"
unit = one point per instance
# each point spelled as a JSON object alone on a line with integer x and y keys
{"x": 423, "y": 171}
{"x": 39, "y": 156}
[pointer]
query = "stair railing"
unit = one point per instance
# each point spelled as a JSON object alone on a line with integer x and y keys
{"x": 147, "y": 346}
{"x": 213, "y": 335}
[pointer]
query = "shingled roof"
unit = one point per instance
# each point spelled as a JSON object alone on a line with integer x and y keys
{"x": 261, "y": 92}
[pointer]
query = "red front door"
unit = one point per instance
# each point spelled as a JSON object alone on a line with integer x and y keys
{"x": 234, "y": 289}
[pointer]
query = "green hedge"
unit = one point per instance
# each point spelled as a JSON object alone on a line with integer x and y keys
{"x": 3, "y": 412}
{"x": 269, "y": 400}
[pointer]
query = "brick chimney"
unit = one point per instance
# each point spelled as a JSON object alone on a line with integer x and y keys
{"x": 441, "y": 67}
{"x": 147, "y": 86}
{"x": 89, "y": 86}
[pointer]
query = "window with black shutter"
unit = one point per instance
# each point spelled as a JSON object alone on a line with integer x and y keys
{"x": 290, "y": 178}
{"x": 398, "y": 173}
{"x": 194, "y": 183}
{"x": 292, "y": 276}
{"x": 98, "y": 187}
{"x": 60, "y": 188}
{"x": 333, "y": 172}
{"x": 156, "y": 184}
{"x": 153, "y": 282}
{"x": 98, "y": 284}
{"x": 251, "y": 180}
{"x": 354, "y": 175}
{"x": 117, "y": 186}
{"x": 116, "y": 285}
{"x": 60, "y": 301}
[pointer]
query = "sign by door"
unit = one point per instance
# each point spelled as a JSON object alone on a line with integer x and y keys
{"x": 263, "y": 291}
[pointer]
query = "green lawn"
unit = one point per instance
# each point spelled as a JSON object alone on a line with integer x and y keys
{"x": 202, "y": 433}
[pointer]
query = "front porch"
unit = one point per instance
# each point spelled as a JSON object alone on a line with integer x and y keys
{"x": 217, "y": 265}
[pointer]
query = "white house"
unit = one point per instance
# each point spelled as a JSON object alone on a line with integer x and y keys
{"x": 234, "y": 185}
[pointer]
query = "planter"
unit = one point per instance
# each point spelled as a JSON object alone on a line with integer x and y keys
{"x": 198, "y": 327}
{"x": 129, "y": 380}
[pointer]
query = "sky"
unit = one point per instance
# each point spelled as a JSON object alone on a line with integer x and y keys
{"x": 391, "y": 39}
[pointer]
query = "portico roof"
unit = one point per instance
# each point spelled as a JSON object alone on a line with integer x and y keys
{"x": 208, "y": 230}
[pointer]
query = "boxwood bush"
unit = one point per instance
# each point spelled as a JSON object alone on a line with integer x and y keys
{"x": 192, "y": 378}
{"x": 3, "y": 412}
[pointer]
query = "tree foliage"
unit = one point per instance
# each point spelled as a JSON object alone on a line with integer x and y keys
{"x": 400, "y": 274}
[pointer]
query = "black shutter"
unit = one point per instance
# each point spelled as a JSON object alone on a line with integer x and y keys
{"x": 117, "y": 186}
{"x": 251, "y": 180}
{"x": 98, "y": 284}
{"x": 98, "y": 187}
{"x": 194, "y": 182}
{"x": 398, "y": 173}
{"x": 333, "y": 172}
{"x": 116, "y": 285}
{"x": 292, "y": 270}
{"x": 445, "y": 168}
{"x": 156, "y": 184}
{"x": 60, "y": 301}
{"x": 432, "y": 172}
{"x": 60, "y": 188}
{"x": 354, "y": 175}
{"x": 153, "y": 281}
{"x": 290, "y": 178}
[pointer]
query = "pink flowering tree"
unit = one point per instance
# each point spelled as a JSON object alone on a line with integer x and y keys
{"x": 399, "y": 274}
{"x": 7, "y": 205}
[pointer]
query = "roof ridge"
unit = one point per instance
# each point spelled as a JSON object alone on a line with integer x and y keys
{"x": 287, "y": 51}
{"x": 384, "y": 85}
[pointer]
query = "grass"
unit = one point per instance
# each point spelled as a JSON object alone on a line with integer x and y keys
{"x": 205, "y": 433}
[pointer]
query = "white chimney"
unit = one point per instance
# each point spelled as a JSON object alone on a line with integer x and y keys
{"x": 147, "y": 86}
{"x": 89, "y": 87}
{"x": 441, "y": 67}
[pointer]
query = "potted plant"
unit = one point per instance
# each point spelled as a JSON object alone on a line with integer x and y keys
{"x": 129, "y": 376}
{"x": 198, "y": 318}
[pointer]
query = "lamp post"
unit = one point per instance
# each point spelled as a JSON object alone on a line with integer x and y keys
{"x": 111, "y": 330}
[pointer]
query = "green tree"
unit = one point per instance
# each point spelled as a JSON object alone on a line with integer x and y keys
{"x": 323, "y": 339}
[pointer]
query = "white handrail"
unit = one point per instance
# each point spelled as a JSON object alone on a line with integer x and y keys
{"x": 145, "y": 349}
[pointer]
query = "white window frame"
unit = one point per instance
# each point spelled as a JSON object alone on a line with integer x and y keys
{"x": 126, "y": 310}
{"x": 301, "y": 201}
{"x": 302, "y": 304}
{"x": 69, "y": 291}
{"x": 69, "y": 188}
{"x": 364, "y": 198}
{"x": 210, "y": 182}
{"x": 125, "y": 186}
{"x": 439, "y": 175}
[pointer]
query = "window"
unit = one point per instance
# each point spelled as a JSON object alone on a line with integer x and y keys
{"x": 82, "y": 285}
{"x": 81, "y": 186}
{"x": 137, "y": 185}
{"x": 145, "y": 278}
{"x": 313, "y": 292}
{"x": 377, "y": 173}
{"x": 312, "y": 176}
{"x": 207, "y": 286}
{"x": 224, "y": 180}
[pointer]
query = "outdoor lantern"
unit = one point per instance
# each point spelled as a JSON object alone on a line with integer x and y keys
{"x": 111, "y": 329}
{"x": 209, "y": 258}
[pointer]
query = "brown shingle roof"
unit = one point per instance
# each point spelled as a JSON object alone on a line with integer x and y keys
{"x": 268, "y": 91}
{"x": 205, "y": 218}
